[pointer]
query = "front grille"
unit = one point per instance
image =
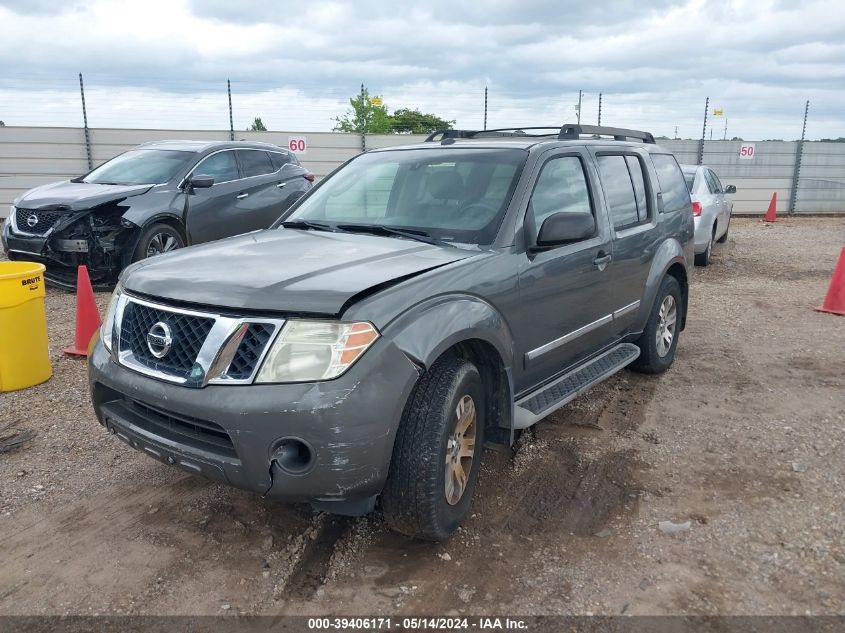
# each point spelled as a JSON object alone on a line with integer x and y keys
{"x": 250, "y": 350}
{"x": 188, "y": 332}
{"x": 188, "y": 431}
{"x": 44, "y": 221}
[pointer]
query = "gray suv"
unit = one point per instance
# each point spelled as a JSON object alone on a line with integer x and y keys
{"x": 420, "y": 302}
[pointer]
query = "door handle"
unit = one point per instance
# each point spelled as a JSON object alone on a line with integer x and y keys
{"x": 281, "y": 184}
{"x": 241, "y": 196}
{"x": 602, "y": 260}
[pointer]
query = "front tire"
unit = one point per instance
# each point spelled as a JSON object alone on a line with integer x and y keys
{"x": 659, "y": 339}
{"x": 437, "y": 453}
{"x": 157, "y": 239}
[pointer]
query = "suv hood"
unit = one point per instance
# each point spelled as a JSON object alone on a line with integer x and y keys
{"x": 77, "y": 196}
{"x": 285, "y": 270}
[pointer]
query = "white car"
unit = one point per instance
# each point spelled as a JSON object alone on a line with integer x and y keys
{"x": 711, "y": 208}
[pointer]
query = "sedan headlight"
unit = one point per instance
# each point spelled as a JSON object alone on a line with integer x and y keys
{"x": 107, "y": 328}
{"x": 307, "y": 351}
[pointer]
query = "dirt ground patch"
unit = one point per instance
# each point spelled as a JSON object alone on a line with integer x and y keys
{"x": 744, "y": 438}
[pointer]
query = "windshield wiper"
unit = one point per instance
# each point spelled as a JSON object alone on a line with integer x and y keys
{"x": 307, "y": 224}
{"x": 383, "y": 229}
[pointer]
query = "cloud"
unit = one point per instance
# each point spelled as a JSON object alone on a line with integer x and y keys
{"x": 165, "y": 62}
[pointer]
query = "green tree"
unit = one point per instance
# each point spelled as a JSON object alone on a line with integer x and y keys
{"x": 407, "y": 121}
{"x": 257, "y": 125}
{"x": 364, "y": 117}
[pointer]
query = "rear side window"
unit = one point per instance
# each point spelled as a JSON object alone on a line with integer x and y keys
{"x": 672, "y": 184}
{"x": 279, "y": 160}
{"x": 619, "y": 191}
{"x": 254, "y": 162}
{"x": 636, "y": 171}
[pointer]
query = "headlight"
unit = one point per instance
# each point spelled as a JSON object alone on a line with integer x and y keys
{"x": 107, "y": 328}
{"x": 306, "y": 351}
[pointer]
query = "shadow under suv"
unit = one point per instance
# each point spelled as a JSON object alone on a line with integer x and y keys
{"x": 417, "y": 303}
{"x": 150, "y": 200}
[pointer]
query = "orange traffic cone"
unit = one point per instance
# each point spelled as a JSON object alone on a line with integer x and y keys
{"x": 87, "y": 314}
{"x": 834, "y": 302}
{"x": 772, "y": 213}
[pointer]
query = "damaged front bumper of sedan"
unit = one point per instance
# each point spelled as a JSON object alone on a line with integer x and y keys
{"x": 63, "y": 239}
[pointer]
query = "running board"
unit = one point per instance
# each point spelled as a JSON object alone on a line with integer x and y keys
{"x": 537, "y": 405}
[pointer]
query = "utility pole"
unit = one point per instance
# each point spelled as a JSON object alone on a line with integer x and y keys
{"x": 703, "y": 132}
{"x": 799, "y": 151}
{"x": 485, "y": 107}
{"x": 676, "y": 132}
{"x": 579, "y": 106}
{"x": 85, "y": 123}
{"x": 364, "y": 124}
{"x": 725, "y": 134}
{"x": 231, "y": 122}
{"x": 599, "y": 109}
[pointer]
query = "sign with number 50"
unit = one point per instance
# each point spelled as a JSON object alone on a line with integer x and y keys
{"x": 297, "y": 144}
{"x": 746, "y": 151}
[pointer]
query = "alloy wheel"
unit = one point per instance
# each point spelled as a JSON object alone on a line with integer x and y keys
{"x": 667, "y": 318}
{"x": 161, "y": 243}
{"x": 460, "y": 450}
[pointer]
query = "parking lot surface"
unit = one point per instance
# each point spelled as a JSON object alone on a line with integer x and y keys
{"x": 740, "y": 444}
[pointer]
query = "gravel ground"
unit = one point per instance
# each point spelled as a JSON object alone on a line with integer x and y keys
{"x": 740, "y": 444}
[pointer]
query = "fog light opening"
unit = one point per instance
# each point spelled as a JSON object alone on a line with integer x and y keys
{"x": 293, "y": 456}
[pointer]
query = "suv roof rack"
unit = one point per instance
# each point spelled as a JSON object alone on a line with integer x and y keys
{"x": 567, "y": 132}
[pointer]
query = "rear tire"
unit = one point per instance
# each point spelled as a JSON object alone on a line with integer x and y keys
{"x": 703, "y": 259}
{"x": 666, "y": 316}
{"x": 422, "y": 497}
{"x": 157, "y": 239}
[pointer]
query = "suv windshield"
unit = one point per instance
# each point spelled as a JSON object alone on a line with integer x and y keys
{"x": 450, "y": 195}
{"x": 140, "y": 167}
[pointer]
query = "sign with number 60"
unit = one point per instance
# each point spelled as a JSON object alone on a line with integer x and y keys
{"x": 297, "y": 144}
{"x": 747, "y": 151}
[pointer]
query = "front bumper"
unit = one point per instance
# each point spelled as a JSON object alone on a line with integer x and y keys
{"x": 348, "y": 423}
{"x": 60, "y": 256}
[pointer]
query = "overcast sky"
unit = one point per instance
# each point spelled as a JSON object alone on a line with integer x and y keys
{"x": 164, "y": 63}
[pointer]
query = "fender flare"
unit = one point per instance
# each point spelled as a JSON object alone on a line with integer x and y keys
{"x": 668, "y": 254}
{"x": 429, "y": 328}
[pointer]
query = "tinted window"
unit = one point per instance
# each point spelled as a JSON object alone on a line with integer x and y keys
{"x": 279, "y": 160}
{"x": 672, "y": 184}
{"x": 636, "y": 171}
{"x": 140, "y": 167}
{"x": 221, "y": 166}
{"x": 689, "y": 176}
{"x": 716, "y": 182}
{"x": 254, "y": 162}
{"x": 561, "y": 187}
{"x": 455, "y": 194}
{"x": 618, "y": 190}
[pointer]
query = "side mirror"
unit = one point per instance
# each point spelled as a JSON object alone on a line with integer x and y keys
{"x": 563, "y": 227}
{"x": 730, "y": 188}
{"x": 201, "y": 182}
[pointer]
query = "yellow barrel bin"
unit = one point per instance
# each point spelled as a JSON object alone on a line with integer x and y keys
{"x": 24, "y": 354}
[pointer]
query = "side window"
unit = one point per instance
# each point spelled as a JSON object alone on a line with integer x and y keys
{"x": 279, "y": 160}
{"x": 672, "y": 185}
{"x": 716, "y": 182}
{"x": 221, "y": 166}
{"x": 619, "y": 191}
{"x": 636, "y": 171}
{"x": 561, "y": 187}
{"x": 254, "y": 162}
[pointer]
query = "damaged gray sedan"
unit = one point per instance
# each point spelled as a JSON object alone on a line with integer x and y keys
{"x": 152, "y": 199}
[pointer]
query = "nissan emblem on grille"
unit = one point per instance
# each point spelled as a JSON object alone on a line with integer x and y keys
{"x": 32, "y": 220}
{"x": 159, "y": 339}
